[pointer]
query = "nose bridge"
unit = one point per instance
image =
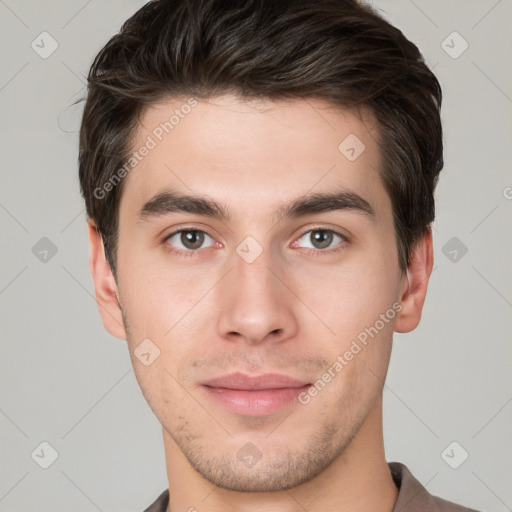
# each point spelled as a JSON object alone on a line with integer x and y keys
{"x": 254, "y": 304}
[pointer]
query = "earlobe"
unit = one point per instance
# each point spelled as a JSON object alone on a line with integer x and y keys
{"x": 107, "y": 295}
{"x": 415, "y": 284}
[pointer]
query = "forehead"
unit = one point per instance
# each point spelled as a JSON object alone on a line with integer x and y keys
{"x": 253, "y": 154}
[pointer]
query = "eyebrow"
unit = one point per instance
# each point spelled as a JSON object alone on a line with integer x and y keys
{"x": 171, "y": 201}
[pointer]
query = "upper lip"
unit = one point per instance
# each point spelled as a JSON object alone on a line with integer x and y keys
{"x": 242, "y": 381}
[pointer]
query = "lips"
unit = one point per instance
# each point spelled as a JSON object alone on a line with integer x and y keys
{"x": 261, "y": 395}
{"x": 248, "y": 383}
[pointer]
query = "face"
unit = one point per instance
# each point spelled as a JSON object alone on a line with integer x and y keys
{"x": 259, "y": 309}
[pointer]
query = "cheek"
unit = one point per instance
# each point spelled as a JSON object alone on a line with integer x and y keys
{"x": 166, "y": 307}
{"x": 161, "y": 390}
{"x": 157, "y": 298}
{"x": 349, "y": 298}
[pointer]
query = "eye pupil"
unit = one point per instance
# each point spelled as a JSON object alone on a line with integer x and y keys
{"x": 324, "y": 238}
{"x": 192, "y": 239}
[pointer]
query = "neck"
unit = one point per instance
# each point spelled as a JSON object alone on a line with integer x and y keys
{"x": 358, "y": 480}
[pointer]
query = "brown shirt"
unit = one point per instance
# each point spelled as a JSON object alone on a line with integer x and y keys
{"x": 412, "y": 496}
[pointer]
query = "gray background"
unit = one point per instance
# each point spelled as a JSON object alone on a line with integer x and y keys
{"x": 65, "y": 381}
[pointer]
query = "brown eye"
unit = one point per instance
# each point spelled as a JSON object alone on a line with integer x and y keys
{"x": 187, "y": 239}
{"x": 192, "y": 239}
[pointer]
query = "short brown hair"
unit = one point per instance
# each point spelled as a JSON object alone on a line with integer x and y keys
{"x": 335, "y": 50}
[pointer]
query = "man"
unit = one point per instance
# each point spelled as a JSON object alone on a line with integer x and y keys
{"x": 259, "y": 181}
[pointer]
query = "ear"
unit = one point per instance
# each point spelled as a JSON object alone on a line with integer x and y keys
{"x": 105, "y": 286}
{"x": 414, "y": 284}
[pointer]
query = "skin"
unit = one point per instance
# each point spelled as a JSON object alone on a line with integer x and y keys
{"x": 213, "y": 313}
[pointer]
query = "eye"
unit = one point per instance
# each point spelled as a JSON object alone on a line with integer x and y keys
{"x": 321, "y": 239}
{"x": 187, "y": 240}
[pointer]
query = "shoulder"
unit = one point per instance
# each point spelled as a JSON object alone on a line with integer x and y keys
{"x": 160, "y": 504}
{"x": 413, "y": 497}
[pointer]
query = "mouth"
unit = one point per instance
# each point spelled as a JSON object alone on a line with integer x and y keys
{"x": 260, "y": 395}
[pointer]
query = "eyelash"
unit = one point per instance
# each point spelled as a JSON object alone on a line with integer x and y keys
{"x": 310, "y": 252}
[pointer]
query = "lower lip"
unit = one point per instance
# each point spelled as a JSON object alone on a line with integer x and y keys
{"x": 257, "y": 402}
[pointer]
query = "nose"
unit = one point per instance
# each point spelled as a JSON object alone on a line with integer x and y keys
{"x": 256, "y": 303}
